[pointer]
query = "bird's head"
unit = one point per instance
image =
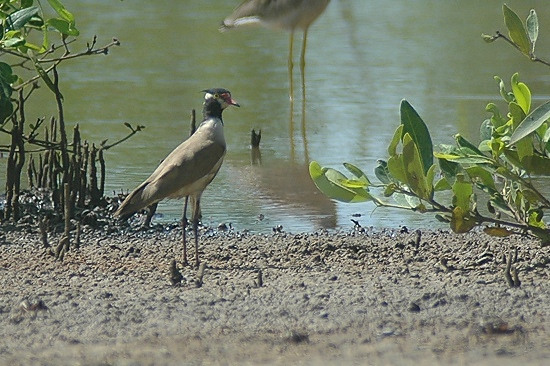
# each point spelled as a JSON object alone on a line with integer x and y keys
{"x": 222, "y": 96}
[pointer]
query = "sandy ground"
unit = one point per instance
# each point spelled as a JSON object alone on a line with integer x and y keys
{"x": 363, "y": 297}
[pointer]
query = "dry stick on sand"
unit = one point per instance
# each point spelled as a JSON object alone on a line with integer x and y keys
{"x": 511, "y": 273}
{"x": 65, "y": 241}
{"x": 200, "y": 274}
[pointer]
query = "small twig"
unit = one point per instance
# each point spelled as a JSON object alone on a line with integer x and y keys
{"x": 259, "y": 280}
{"x": 43, "y": 225}
{"x": 77, "y": 235}
{"x": 200, "y": 275}
{"x": 67, "y": 197}
{"x": 531, "y": 56}
{"x": 62, "y": 248}
{"x": 175, "y": 275}
{"x": 511, "y": 273}
{"x": 132, "y": 133}
{"x": 89, "y": 51}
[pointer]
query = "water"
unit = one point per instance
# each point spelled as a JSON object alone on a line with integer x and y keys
{"x": 363, "y": 57}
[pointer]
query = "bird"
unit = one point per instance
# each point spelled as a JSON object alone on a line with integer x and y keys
{"x": 288, "y": 15}
{"x": 189, "y": 168}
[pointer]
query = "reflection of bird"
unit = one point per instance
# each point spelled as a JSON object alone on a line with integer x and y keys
{"x": 189, "y": 168}
{"x": 279, "y": 14}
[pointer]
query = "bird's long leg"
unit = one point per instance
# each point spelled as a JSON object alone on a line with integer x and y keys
{"x": 303, "y": 70}
{"x": 291, "y": 93}
{"x": 196, "y": 215}
{"x": 291, "y": 66}
{"x": 303, "y": 75}
{"x": 184, "y": 226}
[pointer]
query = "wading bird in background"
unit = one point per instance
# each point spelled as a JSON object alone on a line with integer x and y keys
{"x": 189, "y": 168}
{"x": 280, "y": 14}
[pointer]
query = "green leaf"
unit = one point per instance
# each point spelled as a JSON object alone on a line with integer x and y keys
{"x": 524, "y": 146}
{"x": 449, "y": 169}
{"x": 462, "y": 193}
{"x": 447, "y": 156}
{"x": 521, "y": 93}
{"x": 530, "y": 123}
{"x": 532, "y": 24}
{"x": 473, "y": 159}
{"x": 6, "y": 79}
{"x": 486, "y": 130}
{"x": 352, "y": 183}
{"x": 466, "y": 147}
{"x": 516, "y": 30}
{"x": 483, "y": 175}
{"x": 430, "y": 177}
{"x": 60, "y": 9}
{"x": 496, "y": 118}
{"x": 500, "y": 232}
{"x": 328, "y": 181}
{"x": 358, "y": 173}
{"x": 18, "y": 19}
{"x": 418, "y": 131}
{"x": 416, "y": 180}
{"x": 543, "y": 235}
{"x": 381, "y": 172}
{"x": 392, "y": 148}
{"x": 389, "y": 189}
{"x": 63, "y": 26}
{"x": 461, "y": 221}
{"x": 507, "y": 96}
{"x": 442, "y": 185}
{"x": 496, "y": 146}
{"x": 12, "y": 39}
{"x": 397, "y": 168}
{"x": 536, "y": 165}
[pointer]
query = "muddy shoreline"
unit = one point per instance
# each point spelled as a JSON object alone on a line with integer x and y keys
{"x": 360, "y": 297}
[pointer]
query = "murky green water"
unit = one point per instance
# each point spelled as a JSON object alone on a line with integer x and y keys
{"x": 363, "y": 58}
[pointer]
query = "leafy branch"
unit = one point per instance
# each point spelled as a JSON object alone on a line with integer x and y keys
{"x": 514, "y": 148}
{"x": 522, "y": 36}
{"x": 64, "y": 166}
{"x": 89, "y": 51}
{"x": 500, "y": 167}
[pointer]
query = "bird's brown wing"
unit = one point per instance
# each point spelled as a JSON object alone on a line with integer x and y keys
{"x": 186, "y": 164}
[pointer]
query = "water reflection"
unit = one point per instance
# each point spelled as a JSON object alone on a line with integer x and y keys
{"x": 286, "y": 185}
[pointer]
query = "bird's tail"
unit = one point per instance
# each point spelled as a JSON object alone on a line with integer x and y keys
{"x": 135, "y": 201}
{"x": 225, "y": 27}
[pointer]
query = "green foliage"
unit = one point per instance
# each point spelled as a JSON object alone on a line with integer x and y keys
{"x": 514, "y": 148}
{"x": 6, "y": 79}
{"x": 18, "y": 20}
{"x": 523, "y": 36}
{"x": 63, "y": 161}
{"x": 338, "y": 186}
{"x": 516, "y": 29}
